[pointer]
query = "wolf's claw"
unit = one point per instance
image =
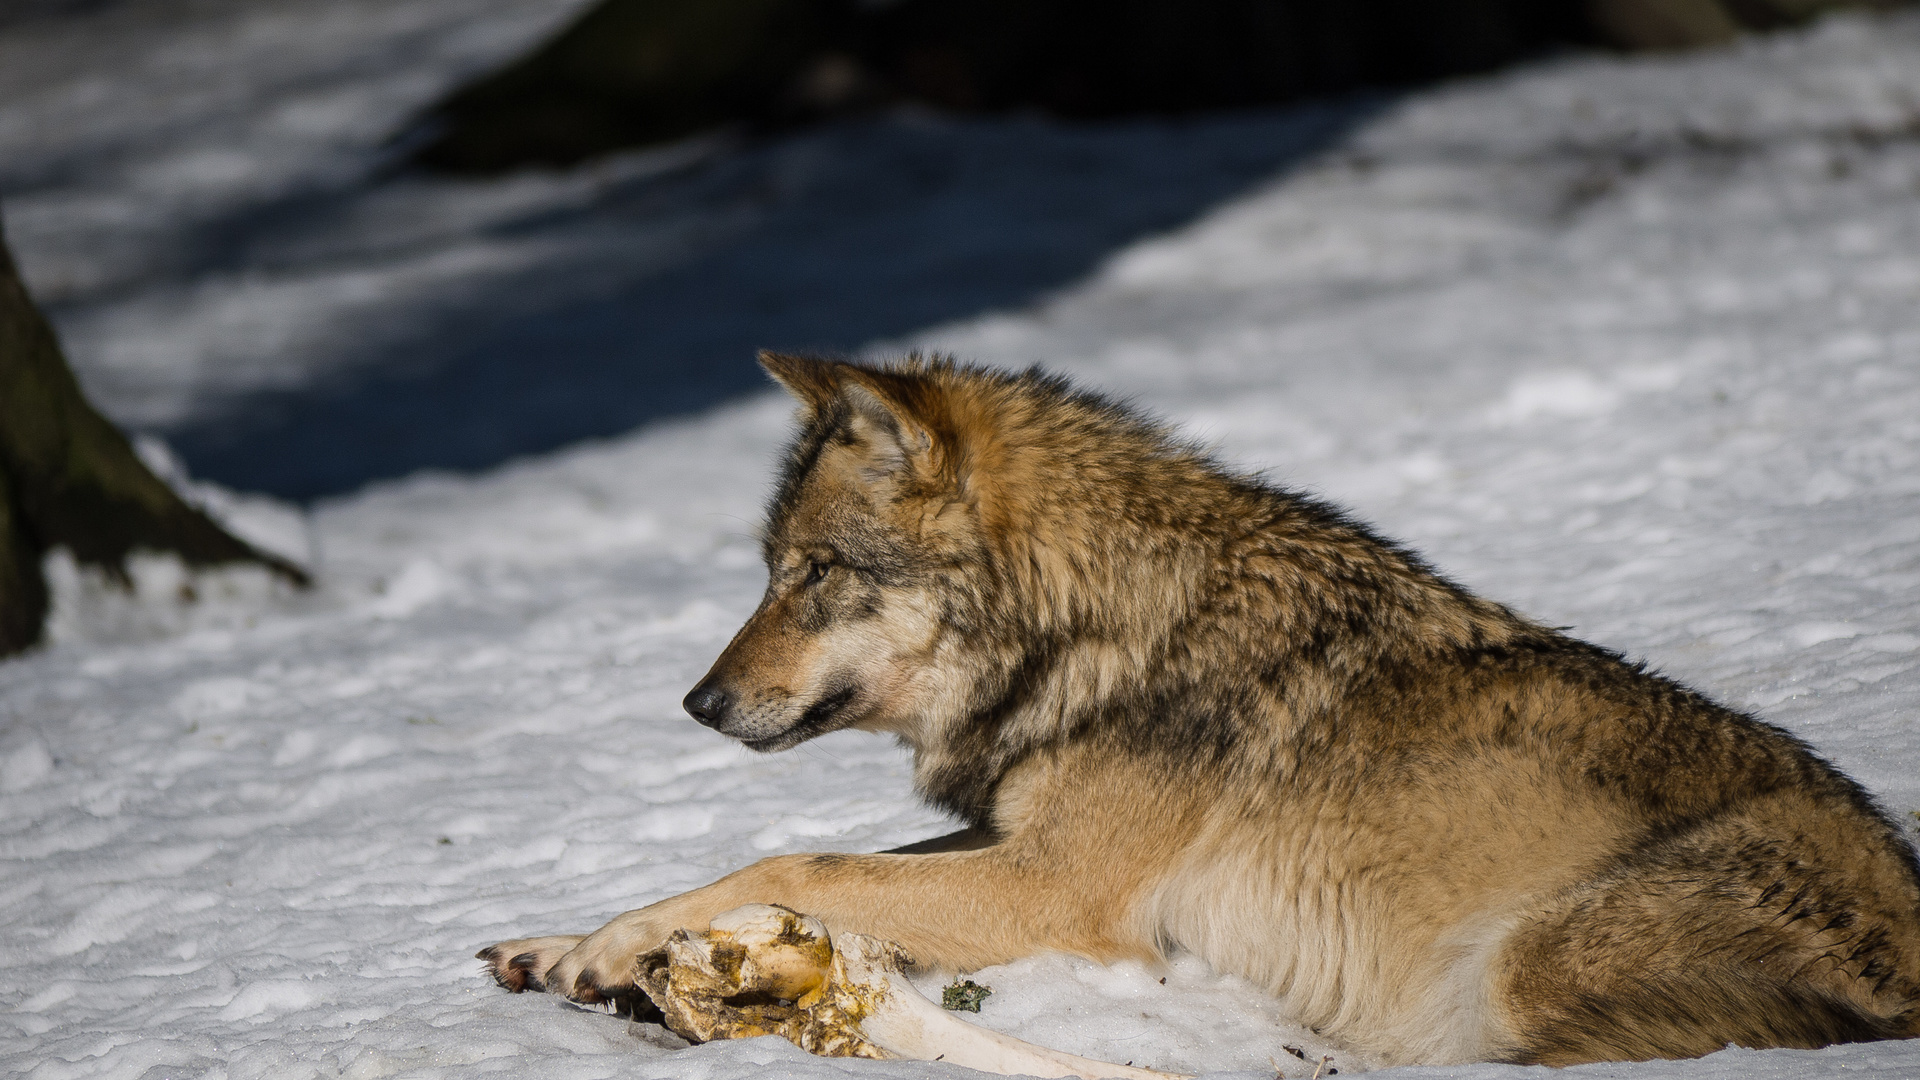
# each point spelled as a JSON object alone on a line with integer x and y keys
{"x": 590, "y": 987}
{"x": 520, "y": 966}
{"x": 600, "y": 968}
{"x": 515, "y": 975}
{"x": 586, "y": 989}
{"x": 512, "y": 975}
{"x": 520, "y": 971}
{"x": 629, "y": 1001}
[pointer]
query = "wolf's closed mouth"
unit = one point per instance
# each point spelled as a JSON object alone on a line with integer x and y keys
{"x": 817, "y": 720}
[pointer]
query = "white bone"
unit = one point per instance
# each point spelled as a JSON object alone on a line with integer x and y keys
{"x": 907, "y": 1024}
{"x": 764, "y": 970}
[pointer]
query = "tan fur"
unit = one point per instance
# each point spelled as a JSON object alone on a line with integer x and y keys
{"x": 1184, "y": 710}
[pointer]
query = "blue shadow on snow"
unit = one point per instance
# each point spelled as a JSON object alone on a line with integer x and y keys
{"x": 857, "y": 233}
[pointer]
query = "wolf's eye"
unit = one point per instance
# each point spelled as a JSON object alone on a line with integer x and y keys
{"x": 817, "y": 572}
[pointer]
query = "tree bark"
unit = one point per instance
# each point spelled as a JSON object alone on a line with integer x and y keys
{"x": 69, "y": 478}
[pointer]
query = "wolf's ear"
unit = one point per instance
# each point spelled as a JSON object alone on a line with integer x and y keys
{"x": 815, "y": 382}
{"x": 884, "y": 415}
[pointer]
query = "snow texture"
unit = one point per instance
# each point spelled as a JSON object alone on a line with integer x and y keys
{"x": 1632, "y": 344}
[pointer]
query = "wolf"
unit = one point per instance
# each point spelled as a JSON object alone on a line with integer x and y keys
{"x": 1177, "y": 708}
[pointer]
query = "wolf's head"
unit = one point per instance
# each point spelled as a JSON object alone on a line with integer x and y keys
{"x": 944, "y": 540}
{"x": 872, "y": 518}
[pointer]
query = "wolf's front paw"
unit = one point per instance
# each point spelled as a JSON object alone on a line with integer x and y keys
{"x": 602, "y": 968}
{"x": 523, "y": 964}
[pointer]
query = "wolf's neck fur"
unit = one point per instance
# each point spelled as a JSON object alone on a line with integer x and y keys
{"x": 1128, "y": 564}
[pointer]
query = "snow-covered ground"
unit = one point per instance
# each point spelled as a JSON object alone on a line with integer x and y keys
{"x": 1631, "y": 344}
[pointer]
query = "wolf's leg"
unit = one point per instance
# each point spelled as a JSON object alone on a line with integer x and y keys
{"x": 956, "y": 911}
{"x": 522, "y": 964}
{"x": 1787, "y": 923}
{"x": 1087, "y": 837}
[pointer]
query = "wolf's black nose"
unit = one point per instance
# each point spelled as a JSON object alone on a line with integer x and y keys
{"x": 706, "y": 705}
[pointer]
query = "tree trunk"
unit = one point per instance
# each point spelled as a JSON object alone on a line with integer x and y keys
{"x": 69, "y": 478}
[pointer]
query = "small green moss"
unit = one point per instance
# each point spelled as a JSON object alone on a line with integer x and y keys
{"x": 964, "y": 995}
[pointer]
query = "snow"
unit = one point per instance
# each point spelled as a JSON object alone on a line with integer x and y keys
{"x": 1631, "y": 344}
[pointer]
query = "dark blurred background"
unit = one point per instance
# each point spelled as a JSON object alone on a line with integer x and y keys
{"x": 854, "y": 170}
{"x": 630, "y": 72}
